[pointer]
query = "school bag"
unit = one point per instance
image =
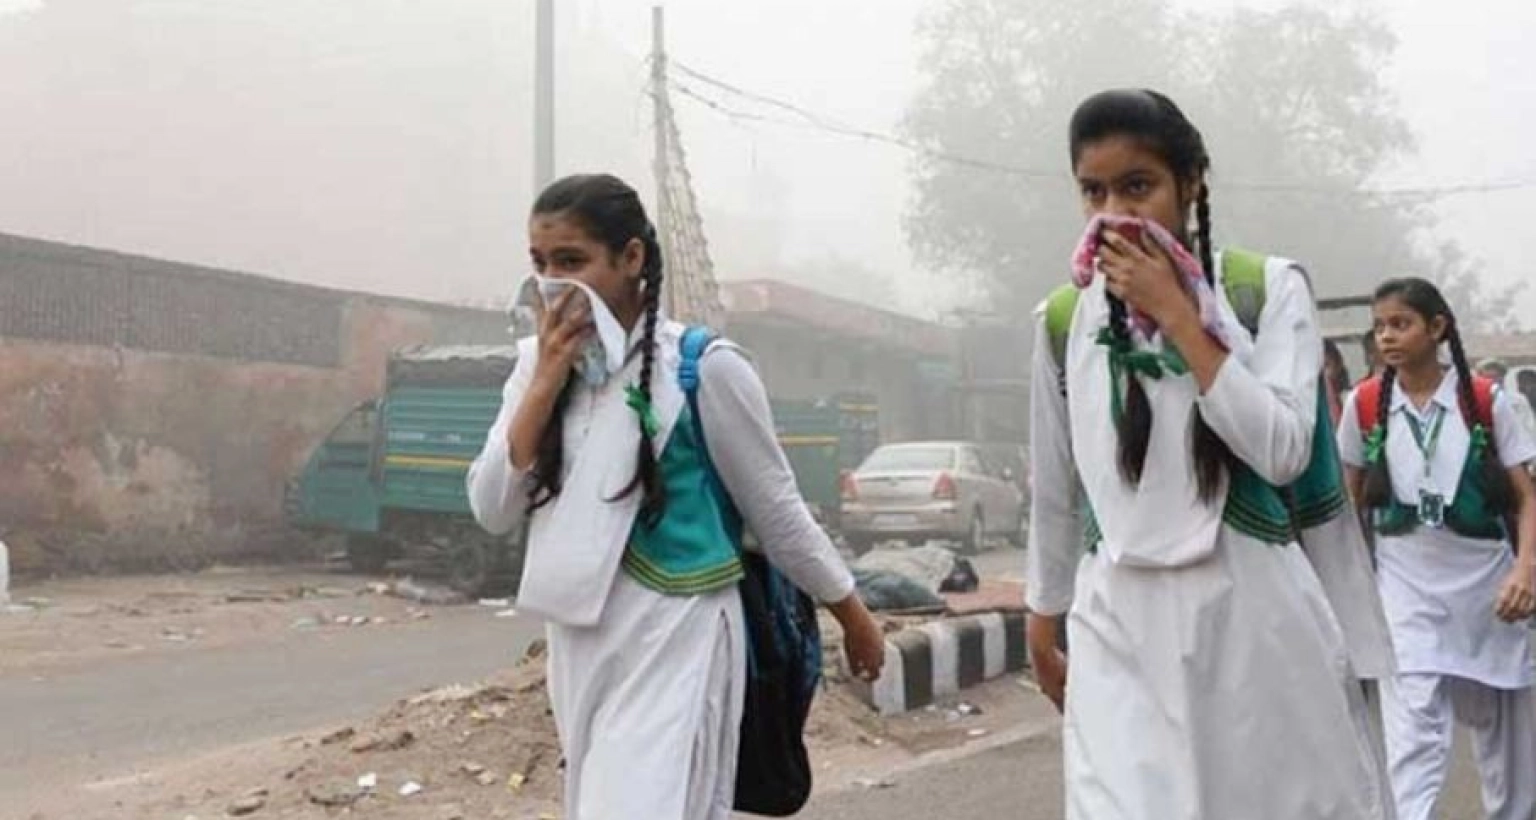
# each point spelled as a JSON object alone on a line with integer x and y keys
{"x": 773, "y": 768}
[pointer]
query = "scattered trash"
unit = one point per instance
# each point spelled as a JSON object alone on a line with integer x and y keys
{"x": 410, "y": 789}
{"x": 257, "y": 596}
{"x": 412, "y": 591}
{"x": 500, "y": 603}
{"x": 928, "y": 566}
{"x": 368, "y": 782}
{"x": 305, "y": 623}
{"x": 339, "y": 736}
{"x": 962, "y": 578}
{"x": 867, "y": 783}
{"x": 507, "y": 613}
{"x": 390, "y": 742}
{"x": 516, "y": 782}
{"x": 968, "y": 709}
{"x": 472, "y": 769}
{"x": 884, "y": 591}
{"x": 486, "y": 779}
{"x": 977, "y": 733}
{"x": 418, "y": 614}
{"x": 337, "y": 793}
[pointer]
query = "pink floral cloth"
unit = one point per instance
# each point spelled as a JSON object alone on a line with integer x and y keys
{"x": 1085, "y": 265}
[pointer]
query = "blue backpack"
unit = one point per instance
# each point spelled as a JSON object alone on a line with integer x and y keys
{"x": 773, "y": 770}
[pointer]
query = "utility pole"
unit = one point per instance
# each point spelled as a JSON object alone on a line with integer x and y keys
{"x": 544, "y": 96}
{"x": 661, "y": 126}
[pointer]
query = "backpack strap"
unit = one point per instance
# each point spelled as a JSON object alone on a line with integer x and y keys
{"x": 695, "y": 343}
{"x": 1368, "y": 404}
{"x": 1242, "y": 277}
{"x": 1484, "y": 390}
{"x": 1059, "y": 308}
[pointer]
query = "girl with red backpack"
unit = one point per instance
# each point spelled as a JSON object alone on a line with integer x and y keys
{"x": 1437, "y": 456}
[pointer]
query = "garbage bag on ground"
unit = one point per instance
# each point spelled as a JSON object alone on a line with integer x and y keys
{"x": 928, "y": 566}
{"x": 887, "y": 591}
{"x": 962, "y": 579}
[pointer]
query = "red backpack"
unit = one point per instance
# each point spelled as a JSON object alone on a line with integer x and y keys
{"x": 1368, "y": 403}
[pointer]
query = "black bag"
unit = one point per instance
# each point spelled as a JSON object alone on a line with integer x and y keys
{"x": 773, "y": 768}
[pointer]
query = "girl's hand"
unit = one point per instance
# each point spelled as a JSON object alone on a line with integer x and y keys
{"x": 564, "y": 329}
{"x": 863, "y": 640}
{"x": 1047, "y": 659}
{"x": 1144, "y": 279}
{"x": 1517, "y": 598}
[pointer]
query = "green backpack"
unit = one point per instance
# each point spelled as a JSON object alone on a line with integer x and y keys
{"x": 1242, "y": 277}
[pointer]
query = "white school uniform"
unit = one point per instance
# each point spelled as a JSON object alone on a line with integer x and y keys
{"x": 1209, "y": 676}
{"x": 1457, "y": 662}
{"x": 648, "y": 696}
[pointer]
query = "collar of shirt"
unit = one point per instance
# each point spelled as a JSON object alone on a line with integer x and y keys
{"x": 1445, "y": 395}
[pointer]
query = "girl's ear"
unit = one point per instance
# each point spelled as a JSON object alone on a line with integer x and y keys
{"x": 632, "y": 259}
{"x": 1438, "y": 327}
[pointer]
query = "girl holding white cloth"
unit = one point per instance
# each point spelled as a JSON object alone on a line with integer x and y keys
{"x": 628, "y": 557}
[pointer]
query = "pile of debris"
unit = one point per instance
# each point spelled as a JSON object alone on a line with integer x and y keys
{"x": 482, "y": 751}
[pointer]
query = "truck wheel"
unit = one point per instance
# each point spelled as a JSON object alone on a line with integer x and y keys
{"x": 368, "y": 555}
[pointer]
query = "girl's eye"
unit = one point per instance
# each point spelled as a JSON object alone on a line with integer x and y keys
{"x": 1138, "y": 187}
{"x": 1093, "y": 193}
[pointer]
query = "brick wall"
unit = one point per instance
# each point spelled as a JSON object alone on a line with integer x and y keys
{"x": 152, "y": 410}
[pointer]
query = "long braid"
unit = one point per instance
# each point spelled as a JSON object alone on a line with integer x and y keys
{"x": 648, "y": 477}
{"x": 1134, "y": 427}
{"x": 1497, "y": 488}
{"x": 1378, "y": 477}
{"x": 549, "y": 463}
{"x": 1213, "y": 458}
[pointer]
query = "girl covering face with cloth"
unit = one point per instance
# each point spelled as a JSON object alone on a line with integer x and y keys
{"x": 628, "y": 558}
{"x": 1438, "y": 456}
{"x": 1210, "y": 677}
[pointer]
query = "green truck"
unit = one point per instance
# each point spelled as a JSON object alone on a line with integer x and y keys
{"x": 390, "y": 476}
{"x": 826, "y": 440}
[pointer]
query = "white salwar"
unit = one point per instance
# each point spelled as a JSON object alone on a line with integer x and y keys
{"x": 1457, "y": 662}
{"x": 648, "y": 701}
{"x": 1209, "y": 675}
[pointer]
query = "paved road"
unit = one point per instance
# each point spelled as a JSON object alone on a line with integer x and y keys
{"x": 111, "y": 719}
{"x": 1022, "y": 781}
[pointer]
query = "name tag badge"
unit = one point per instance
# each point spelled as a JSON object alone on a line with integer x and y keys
{"x": 1431, "y": 509}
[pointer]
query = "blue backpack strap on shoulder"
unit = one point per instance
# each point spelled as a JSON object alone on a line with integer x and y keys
{"x": 695, "y": 343}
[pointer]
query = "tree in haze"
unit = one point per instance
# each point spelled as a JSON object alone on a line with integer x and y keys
{"x": 1293, "y": 104}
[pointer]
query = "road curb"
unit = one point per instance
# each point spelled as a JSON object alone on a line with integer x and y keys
{"x": 929, "y": 662}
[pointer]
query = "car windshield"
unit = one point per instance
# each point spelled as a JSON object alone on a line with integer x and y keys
{"x": 910, "y": 458}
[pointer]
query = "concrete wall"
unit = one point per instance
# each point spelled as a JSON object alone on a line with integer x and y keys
{"x": 152, "y": 412}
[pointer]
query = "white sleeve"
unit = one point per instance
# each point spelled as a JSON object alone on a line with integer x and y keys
{"x": 1514, "y": 440}
{"x": 1055, "y": 521}
{"x": 1266, "y": 409}
{"x": 1351, "y": 441}
{"x": 739, "y": 431}
{"x": 498, "y": 493}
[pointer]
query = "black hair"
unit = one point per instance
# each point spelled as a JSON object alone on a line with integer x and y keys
{"x": 1332, "y": 355}
{"x": 610, "y": 212}
{"x": 1423, "y": 298}
{"x": 1158, "y": 124}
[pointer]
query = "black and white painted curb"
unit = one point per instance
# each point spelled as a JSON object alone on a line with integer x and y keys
{"x": 929, "y": 662}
